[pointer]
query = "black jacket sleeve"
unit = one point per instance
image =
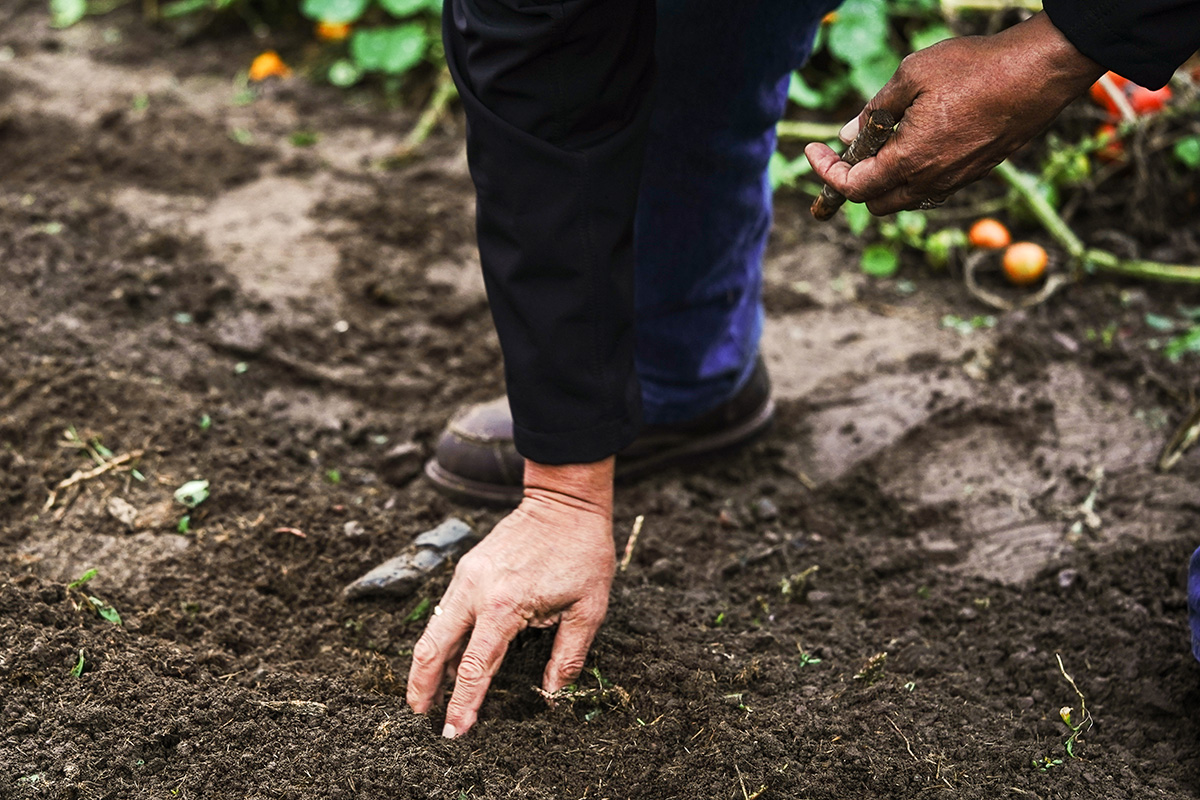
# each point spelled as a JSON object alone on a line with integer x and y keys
{"x": 1143, "y": 40}
{"x": 557, "y": 100}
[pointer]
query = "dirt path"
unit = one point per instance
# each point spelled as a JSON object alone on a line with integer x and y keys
{"x": 294, "y": 325}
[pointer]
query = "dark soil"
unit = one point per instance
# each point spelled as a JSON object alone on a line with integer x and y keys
{"x": 283, "y": 320}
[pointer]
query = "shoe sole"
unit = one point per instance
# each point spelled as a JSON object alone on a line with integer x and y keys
{"x": 467, "y": 491}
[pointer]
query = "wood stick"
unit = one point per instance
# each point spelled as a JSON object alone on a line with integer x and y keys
{"x": 872, "y": 137}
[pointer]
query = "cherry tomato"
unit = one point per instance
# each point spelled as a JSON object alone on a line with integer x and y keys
{"x": 989, "y": 234}
{"x": 1024, "y": 262}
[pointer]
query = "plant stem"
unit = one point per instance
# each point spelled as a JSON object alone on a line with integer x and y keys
{"x": 1136, "y": 268}
{"x": 812, "y": 131}
{"x": 1025, "y": 186}
{"x": 443, "y": 93}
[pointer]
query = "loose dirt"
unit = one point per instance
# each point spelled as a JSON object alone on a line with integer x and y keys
{"x": 295, "y": 324}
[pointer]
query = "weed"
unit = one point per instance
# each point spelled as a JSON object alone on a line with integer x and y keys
{"x": 420, "y": 612}
{"x": 84, "y": 578}
{"x": 806, "y": 657}
{"x": 1079, "y": 725}
{"x": 1047, "y": 763}
{"x": 794, "y": 584}
{"x": 333, "y": 476}
{"x": 872, "y": 671}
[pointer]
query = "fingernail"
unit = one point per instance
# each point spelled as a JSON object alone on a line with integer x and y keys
{"x": 849, "y": 131}
{"x": 448, "y": 732}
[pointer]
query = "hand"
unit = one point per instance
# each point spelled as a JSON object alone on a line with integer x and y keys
{"x": 551, "y": 561}
{"x": 964, "y": 106}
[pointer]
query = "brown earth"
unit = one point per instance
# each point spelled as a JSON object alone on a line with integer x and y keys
{"x": 171, "y": 257}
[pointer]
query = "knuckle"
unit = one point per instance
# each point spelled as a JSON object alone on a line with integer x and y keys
{"x": 569, "y": 668}
{"x": 471, "y": 670}
{"x": 425, "y": 652}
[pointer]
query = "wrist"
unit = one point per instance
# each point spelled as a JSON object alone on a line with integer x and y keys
{"x": 584, "y": 486}
{"x": 1063, "y": 59}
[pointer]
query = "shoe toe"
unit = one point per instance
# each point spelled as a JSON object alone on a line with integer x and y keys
{"x": 475, "y": 455}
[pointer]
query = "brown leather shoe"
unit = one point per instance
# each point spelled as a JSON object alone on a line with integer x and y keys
{"x": 476, "y": 461}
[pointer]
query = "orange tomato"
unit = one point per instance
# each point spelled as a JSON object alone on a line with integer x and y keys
{"x": 1024, "y": 262}
{"x": 332, "y": 31}
{"x": 1112, "y": 149}
{"x": 989, "y": 234}
{"x": 269, "y": 65}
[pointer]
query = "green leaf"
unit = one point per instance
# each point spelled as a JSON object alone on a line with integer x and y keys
{"x": 105, "y": 610}
{"x": 783, "y": 172}
{"x": 861, "y": 31}
{"x": 857, "y": 217}
{"x": 82, "y": 579}
{"x": 880, "y": 261}
{"x": 393, "y": 51}
{"x": 192, "y": 493}
{"x": 77, "y": 670}
{"x": 185, "y": 524}
{"x": 1160, "y": 323}
{"x": 1187, "y": 343}
{"x": 911, "y": 223}
{"x": 65, "y": 13}
{"x": 803, "y": 95}
{"x": 930, "y": 36}
{"x": 869, "y": 76}
{"x": 336, "y": 11}
{"x": 404, "y": 8}
{"x": 344, "y": 73}
{"x": 1187, "y": 151}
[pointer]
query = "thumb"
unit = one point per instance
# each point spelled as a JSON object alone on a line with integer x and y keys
{"x": 895, "y": 96}
{"x": 575, "y": 633}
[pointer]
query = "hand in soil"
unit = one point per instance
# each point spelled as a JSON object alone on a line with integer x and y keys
{"x": 964, "y": 105}
{"x": 551, "y": 561}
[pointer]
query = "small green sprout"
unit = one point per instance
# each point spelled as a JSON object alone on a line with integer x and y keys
{"x": 185, "y": 524}
{"x": 334, "y": 476}
{"x": 82, "y": 579}
{"x": 419, "y": 613}
{"x": 205, "y": 422}
{"x": 806, "y": 657}
{"x": 720, "y": 620}
{"x": 105, "y": 610}
{"x": 77, "y": 670}
{"x": 1047, "y": 763}
{"x": 192, "y": 493}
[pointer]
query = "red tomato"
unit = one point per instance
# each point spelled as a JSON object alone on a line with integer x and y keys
{"x": 1149, "y": 101}
{"x": 1113, "y": 149}
{"x": 1103, "y": 99}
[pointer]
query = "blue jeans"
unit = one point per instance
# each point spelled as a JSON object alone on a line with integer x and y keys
{"x": 704, "y": 208}
{"x": 1194, "y": 602}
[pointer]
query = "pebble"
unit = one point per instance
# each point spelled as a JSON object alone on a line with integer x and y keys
{"x": 765, "y": 509}
{"x": 402, "y": 463}
{"x": 354, "y": 528}
{"x": 1067, "y": 578}
{"x": 818, "y": 597}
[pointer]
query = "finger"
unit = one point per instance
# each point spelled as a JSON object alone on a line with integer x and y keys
{"x": 479, "y": 663}
{"x": 896, "y": 96}
{"x": 866, "y": 180}
{"x": 437, "y": 646}
{"x": 571, "y": 644}
{"x": 899, "y": 199}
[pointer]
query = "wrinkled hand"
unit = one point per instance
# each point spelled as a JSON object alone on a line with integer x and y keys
{"x": 964, "y": 105}
{"x": 551, "y": 561}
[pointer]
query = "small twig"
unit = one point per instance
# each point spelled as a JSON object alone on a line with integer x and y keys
{"x": 873, "y": 135}
{"x": 1186, "y": 435}
{"x": 1052, "y": 285}
{"x": 1085, "y": 716}
{"x": 293, "y": 532}
{"x": 633, "y": 537}
{"x": 907, "y": 745}
{"x": 80, "y": 477}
